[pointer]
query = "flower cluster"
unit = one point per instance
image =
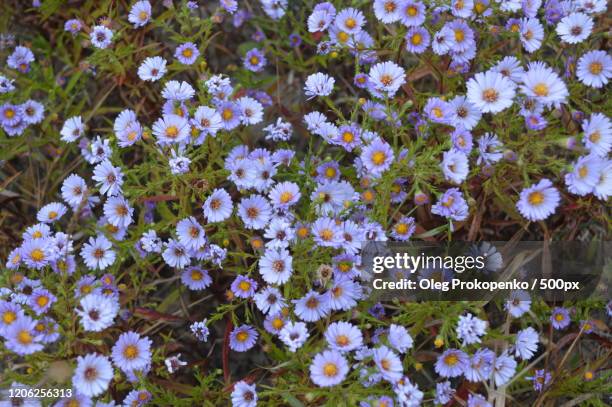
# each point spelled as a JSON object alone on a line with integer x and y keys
{"x": 212, "y": 205}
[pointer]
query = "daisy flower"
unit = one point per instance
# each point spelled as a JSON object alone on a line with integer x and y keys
{"x": 131, "y": 352}
{"x": 504, "y": 368}
{"x": 328, "y": 368}
{"x": 585, "y": 175}
{"x": 51, "y": 212}
{"x": 518, "y": 303}
{"x": 208, "y": 120}
{"x": 190, "y": 233}
{"x": 269, "y": 300}
{"x": 109, "y": 179}
{"x": 176, "y": 255}
{"x": 544, "y": 85}
{"x": 118, "y": 211}
{"x": 101, "y": 37}
{"x": 412, "y": 13}
{"x": 377, "y": 156}
{"x": 319, "y": 84}
{"x": 97, "y": 253}
{"x": 350, "y": 20}
{"x": 37, "y": 253}
{"x": 387, "y": 77}
{"x": 171, "y": 129}
{"x": 231, "y": 115}
{"x": 343, "y": 336}
{"x": 575, "y": 27}
{"x": 597, "y": 134}
{"x": 152, "y": 69}
{"x": 20, "y": 59}
{"x": 399, "y": 338}
{"x": 9, "y": 313}
{"x": 539, "y": 201}
{"x": 41, "y": 300}
{"x": 244, "y": 287}
{"x": 294, "y": 335}
{"x": 284, "y": 194}
{"x": 251, "y": 110}
{"x": 275, "y": 266}
{"x": 187, "y": 53}
{"x": 388, "y": 364}
{"x": 417, "y": 40}
{"x": 462, "y": 35}
{"x": 243, "y": 338}
{"x": 451, "y": 205}
{"x": 178, "y": 91}
{"x": 594, "y": 68}
{"x": 218, "y": 206}
{"x": 444, "y": 392}
{"x": 33, "y": 111}
{"x": 455, "y": 166}
{"x": 255, "y": 211}
{"x": 140, "y": 13}
{"x": 92, "y": 374}
{"x": 531, "y": 34}
{"x": 526, "y": 343}
{"x": 73, "y": 129}
{"x": 404, "y": 228}
{"x": 489, "y": 149}
{"x": 491, "y": 92}
{"x": 560, "y": 318}
{"x": 326, "y": 232}
{"x": 312, "y": 307}
{"x": 22, "y": 338}
{"x": 244, "y": 395}
{"x": 451, "y": 363}
{"x": 387, "y": 11}
{"x": 73, "y": 26}
{"x": 510, "y": 67}
{"x": 97, "y": 311}
{"x": 196, "y": 278}
{"x": 254, "y": 60}
{"x": 470, "y": 329}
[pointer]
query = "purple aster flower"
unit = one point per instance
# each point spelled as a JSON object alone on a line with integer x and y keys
{"x": 244, "y": 287}
{"x": 560, "y": 318}
{"x": 243, "y": 338}
{"x": 451, "y": 205}
{"x": 254, "y": 60}
{"x": 187, "y": 53}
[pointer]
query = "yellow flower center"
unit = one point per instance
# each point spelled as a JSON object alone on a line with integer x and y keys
{"x": 343, "y": 37}
{"x": 242, "y": 336}
{"x": 227, "y": 114}
{"x": 327, "y": 234}
{"x": 286, "y": 197}
{"x": 330, "y": 369}
{"x": 42, "y": 301}
{"x": 348, "y": 137}
{"x": 130, "y": 352}
{"x": 583, "y": 171}
{"x": 350, "y": 23}
{"x": 536, "y": 198}
{"x": 9, "y": 317}
{"x": 490, "y": 95}
{"x": 595, "y": 68}
{"x": 187, "y": 52}
{"x": 412, "y": 11}
{"x": 378, "y": 158}
{"x": 459, "y": 35}
{"x": 196, "y": 275}
{"x": 401, "y": 228}
{"x": 37, "y": 255}
{"x": 342, "y": 340}
{"x": 277, "y": 323}
{"x": 244, "y": 285}
{"x": 416, "y": 39}
{"x": 451, "y": 360}
{"x": 172, "y": 131}
{"x": 24, "y": 337}
{"x": 541, "y": 89}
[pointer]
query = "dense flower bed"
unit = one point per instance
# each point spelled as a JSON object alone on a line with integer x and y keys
{"x": 187, "y": 186}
